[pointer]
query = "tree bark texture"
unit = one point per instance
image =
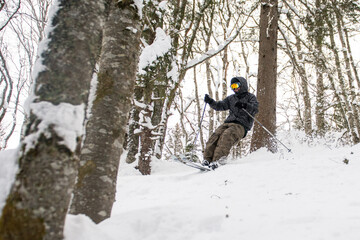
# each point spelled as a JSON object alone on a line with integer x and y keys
{"x": 352, "y": 89}
{"x": 132, "y": 145}
{"x": 149, "y": 24}
{"x": 199, "y": 115}
{"x": 208, "y": 31}
{"x": 225, "y": 80}
{"x": 146, "y": 146}
{"x": 38, "y": 202}
{"x": 349, "y": 119}
{"x": 153, "y": 86}
{"x": 267, "y": 74}
{"x": 318, "y": 36}
{"x": 94, "y": 194}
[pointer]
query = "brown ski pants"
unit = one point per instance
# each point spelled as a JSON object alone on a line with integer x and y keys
{"x": 221, "y": 141}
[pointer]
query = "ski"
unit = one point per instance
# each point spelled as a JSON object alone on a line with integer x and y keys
{"x": 191, "y": 164}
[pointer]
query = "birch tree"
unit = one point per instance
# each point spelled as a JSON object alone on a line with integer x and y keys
{"x": 207, "y": 33}
{"x": 38, "y": 201}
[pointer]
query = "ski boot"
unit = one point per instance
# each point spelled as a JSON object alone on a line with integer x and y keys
{"x": 211, "y": 165}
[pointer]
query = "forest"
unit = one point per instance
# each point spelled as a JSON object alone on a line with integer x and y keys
{"x": 85, "y": 83}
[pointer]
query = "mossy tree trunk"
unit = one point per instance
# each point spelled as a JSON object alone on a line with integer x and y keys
{"x": 94, "y": 194}
{"x": 38, "y": 202}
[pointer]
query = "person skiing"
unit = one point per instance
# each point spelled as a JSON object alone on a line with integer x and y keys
{"x": 236, "y": 125}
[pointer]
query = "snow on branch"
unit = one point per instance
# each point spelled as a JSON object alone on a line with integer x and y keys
{"x": 67, "y": 120}
{"x": 213, "y": 52}
{"x": 160, "y": 46}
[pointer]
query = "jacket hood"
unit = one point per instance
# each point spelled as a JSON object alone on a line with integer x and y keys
{"x": 243, "y": 84}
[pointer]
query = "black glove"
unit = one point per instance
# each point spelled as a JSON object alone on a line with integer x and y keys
{"x": 208, "y": 99}
{"x": 241, "y": 105}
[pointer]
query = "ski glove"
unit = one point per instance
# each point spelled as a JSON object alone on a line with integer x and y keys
{"x": 241, "y": 105}
{"x": 208, "y": 99}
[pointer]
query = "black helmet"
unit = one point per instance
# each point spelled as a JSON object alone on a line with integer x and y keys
{"x": 237, "y": 79}
{"x": 242, "y": 81}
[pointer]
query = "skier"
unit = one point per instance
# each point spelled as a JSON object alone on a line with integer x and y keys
{"x": 236, "y": 125}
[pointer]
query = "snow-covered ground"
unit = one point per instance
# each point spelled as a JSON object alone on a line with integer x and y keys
{"x": 309, "y": 194}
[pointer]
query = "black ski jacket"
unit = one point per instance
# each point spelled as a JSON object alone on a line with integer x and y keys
{"x": 236, "y": 114}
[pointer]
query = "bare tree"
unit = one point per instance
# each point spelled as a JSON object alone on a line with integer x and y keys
{"x": 350, "y": 114}
{"x": 187, "y": 56}
{"x": 8, "y": 10}
{"x": 298, "y": 62}
{"x": 317, "y": 38}
{"x": 26, "y": 30}
{"x": 207, "y": 33}
{"x": 8, "y": 87}
{"x": 348, "y": 70}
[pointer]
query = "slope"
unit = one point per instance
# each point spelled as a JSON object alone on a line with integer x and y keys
{"x": 312, "y": 193}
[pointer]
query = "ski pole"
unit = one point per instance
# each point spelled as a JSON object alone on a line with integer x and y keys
{"x": 197, "y": 134}
{"x": 289, "y": 150}
{"x": 202, "y": 117}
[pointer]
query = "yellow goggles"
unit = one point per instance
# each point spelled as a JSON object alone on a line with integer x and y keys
{"x": 235, "y": 86}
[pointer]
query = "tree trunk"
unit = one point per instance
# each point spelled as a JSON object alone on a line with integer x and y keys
{"x": 132, "y": 145}
{"x": 151, "y": 90}
{"x": 94, "y": 194}
{"x": 199, "y": 115}
{"x": 353, "y": 65}
{"x": 297, "y": 60}
{"x": 225, "y": 81}
{"x": 301, "y": 69}
{"x": 210, "y": 110}
{"x": 146, "y": 146}
{"x": 349, "y": 114}
{"x": 266, "y": 84}
{"x": 353, "y": 98}
{"x": 38, "y": 202}
{"x": 319, "y": 65}
{"x": 208, "y": 34}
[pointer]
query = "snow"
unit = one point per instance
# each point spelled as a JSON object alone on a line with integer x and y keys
{"x": 163, "y": 5}
{"x": 158, "y": 48}
{"x": 139, "y": 6}
{"x": 211, "y": 52}
{"x": 310, "y": 194}
{"x": 43, "y": 45}
{"x": 7, "y": 173}
{"x": 66, "y": 118}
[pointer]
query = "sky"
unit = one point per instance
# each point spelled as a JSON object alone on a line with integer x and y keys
{"x": 311, "y": 193}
